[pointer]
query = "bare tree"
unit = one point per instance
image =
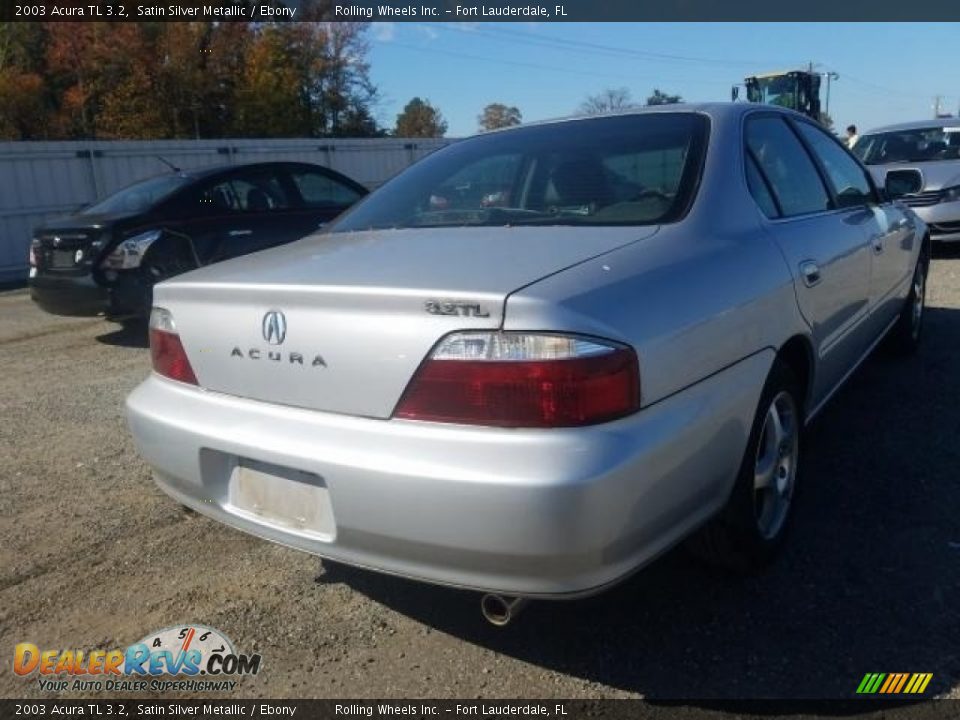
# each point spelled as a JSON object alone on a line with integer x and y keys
{"x": 609, "y": 100}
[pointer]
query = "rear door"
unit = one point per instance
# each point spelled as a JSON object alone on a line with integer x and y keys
{"x": 241, "y": 212}
{"x": 825, "y": 246}
{"x": 890, "y": 232}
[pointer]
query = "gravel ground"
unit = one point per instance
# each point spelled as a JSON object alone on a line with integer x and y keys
{"x": 94, "y": 556}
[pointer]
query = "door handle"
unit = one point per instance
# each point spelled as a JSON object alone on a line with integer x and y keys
{"x": 810, "y": 272}
{"x": 239, "y": 233}
{"x": 877, "y": 242}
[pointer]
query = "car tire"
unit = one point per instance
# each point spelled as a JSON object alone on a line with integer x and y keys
{"x": 746, "y": 536}
{"x": 904, "y": 337}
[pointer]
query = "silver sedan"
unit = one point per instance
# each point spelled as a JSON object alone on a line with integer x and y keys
{"x": 919, "y": 164}
{"x": 540, "y": 357}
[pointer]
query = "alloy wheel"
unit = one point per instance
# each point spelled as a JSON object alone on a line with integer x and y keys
{"x": 775, "y": 471}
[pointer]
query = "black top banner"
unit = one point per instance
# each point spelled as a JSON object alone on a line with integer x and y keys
{"x": 480, "y": 11}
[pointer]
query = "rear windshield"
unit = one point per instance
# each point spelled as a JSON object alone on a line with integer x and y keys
{"x": 927, "y": 144}
{"x": 625, "y": 170}
{"x": 138, "y": 197}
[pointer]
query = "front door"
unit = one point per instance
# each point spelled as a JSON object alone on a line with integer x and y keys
{"x": 889, "y": 230}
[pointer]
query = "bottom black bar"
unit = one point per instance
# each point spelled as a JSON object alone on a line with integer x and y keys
{"x": 489, "y": 709}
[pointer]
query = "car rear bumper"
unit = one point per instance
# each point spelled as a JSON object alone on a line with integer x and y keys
{"x": 519, "y": 512}
{"x": 68, "y": 294}
{"x": 80, "y": 295}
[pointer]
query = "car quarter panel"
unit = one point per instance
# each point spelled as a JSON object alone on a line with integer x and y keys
{"x": 697, "y": 297}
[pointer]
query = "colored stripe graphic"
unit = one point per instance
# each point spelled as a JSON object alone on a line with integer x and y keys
{"x": 902, "y": 682}
{"x": 894, "y": 683}
{"x": 891, "y": 681}
{"x": 862, "y": 687}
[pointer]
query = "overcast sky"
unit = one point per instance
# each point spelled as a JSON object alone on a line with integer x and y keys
{"x": 888, "y": 72}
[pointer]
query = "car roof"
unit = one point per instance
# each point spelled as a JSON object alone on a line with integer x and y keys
{"x": 713, "y": 109}
{"x": 916, "y": 125}
{"x": 203, "y": 172}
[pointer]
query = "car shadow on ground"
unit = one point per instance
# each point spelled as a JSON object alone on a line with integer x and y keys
{"x": 869, "y": 581}
{"x": 130, "y": 334}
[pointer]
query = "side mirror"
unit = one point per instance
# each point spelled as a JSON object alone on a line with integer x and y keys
{"x": 892, "y": 188}
{"x": 898, "y": 183}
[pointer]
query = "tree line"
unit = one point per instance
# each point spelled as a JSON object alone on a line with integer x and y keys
{"x": 156, "y": 80}
{"x": 62, "y": 81}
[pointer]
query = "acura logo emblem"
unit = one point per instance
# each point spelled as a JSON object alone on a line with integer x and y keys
{"x": 274, "y": 327}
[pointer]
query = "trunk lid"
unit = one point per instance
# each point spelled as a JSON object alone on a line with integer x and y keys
{"x": 67, "y": 250}
{"x": 70, "y": 245}
{"x": 357, "y": 313}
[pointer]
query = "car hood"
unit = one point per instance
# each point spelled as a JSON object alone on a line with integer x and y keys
{"x": 936, "y": 175}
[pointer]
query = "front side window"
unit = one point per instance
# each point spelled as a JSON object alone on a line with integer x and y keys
{"x": 254, "y": 192}
{"x": 848, "y": 179}
{"x": 625, "y": 170}
{"x": 793, "y": 178}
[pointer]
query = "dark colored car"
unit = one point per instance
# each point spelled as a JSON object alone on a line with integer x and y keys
{"x": 107, "y": 257}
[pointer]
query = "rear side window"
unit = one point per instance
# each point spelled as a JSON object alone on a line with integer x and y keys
{"x": 793, "y": 178}
{"x": 759, "y": 189}
{"x": 847, "y": 177}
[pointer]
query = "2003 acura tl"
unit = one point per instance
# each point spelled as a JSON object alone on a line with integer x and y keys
{"x": 540, "y": 357}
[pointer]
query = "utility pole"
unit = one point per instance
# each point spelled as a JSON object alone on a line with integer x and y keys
{"x": 936, "y": 106}
{"x": 830, "y": 76}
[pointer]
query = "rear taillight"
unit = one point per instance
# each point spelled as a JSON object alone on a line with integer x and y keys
{"x": 166, "y": 350}
{"x": 510, "y": 379}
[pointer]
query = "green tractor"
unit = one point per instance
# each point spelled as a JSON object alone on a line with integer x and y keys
{"x": 795, "y": 89}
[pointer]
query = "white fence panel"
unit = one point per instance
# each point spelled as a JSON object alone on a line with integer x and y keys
{"x": 41, "y": 180}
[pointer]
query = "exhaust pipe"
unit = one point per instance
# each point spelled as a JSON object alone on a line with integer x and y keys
{"x": 499, "y": 610}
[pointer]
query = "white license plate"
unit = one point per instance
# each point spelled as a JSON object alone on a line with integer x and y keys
{"x": 284, "y": 497}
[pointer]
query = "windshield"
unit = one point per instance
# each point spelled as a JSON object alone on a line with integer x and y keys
{"x": 139, "y": 196}
{"x": 626, "y": 170}
{"x": 780, "y": 90}
{"x": 927, "y": 144}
